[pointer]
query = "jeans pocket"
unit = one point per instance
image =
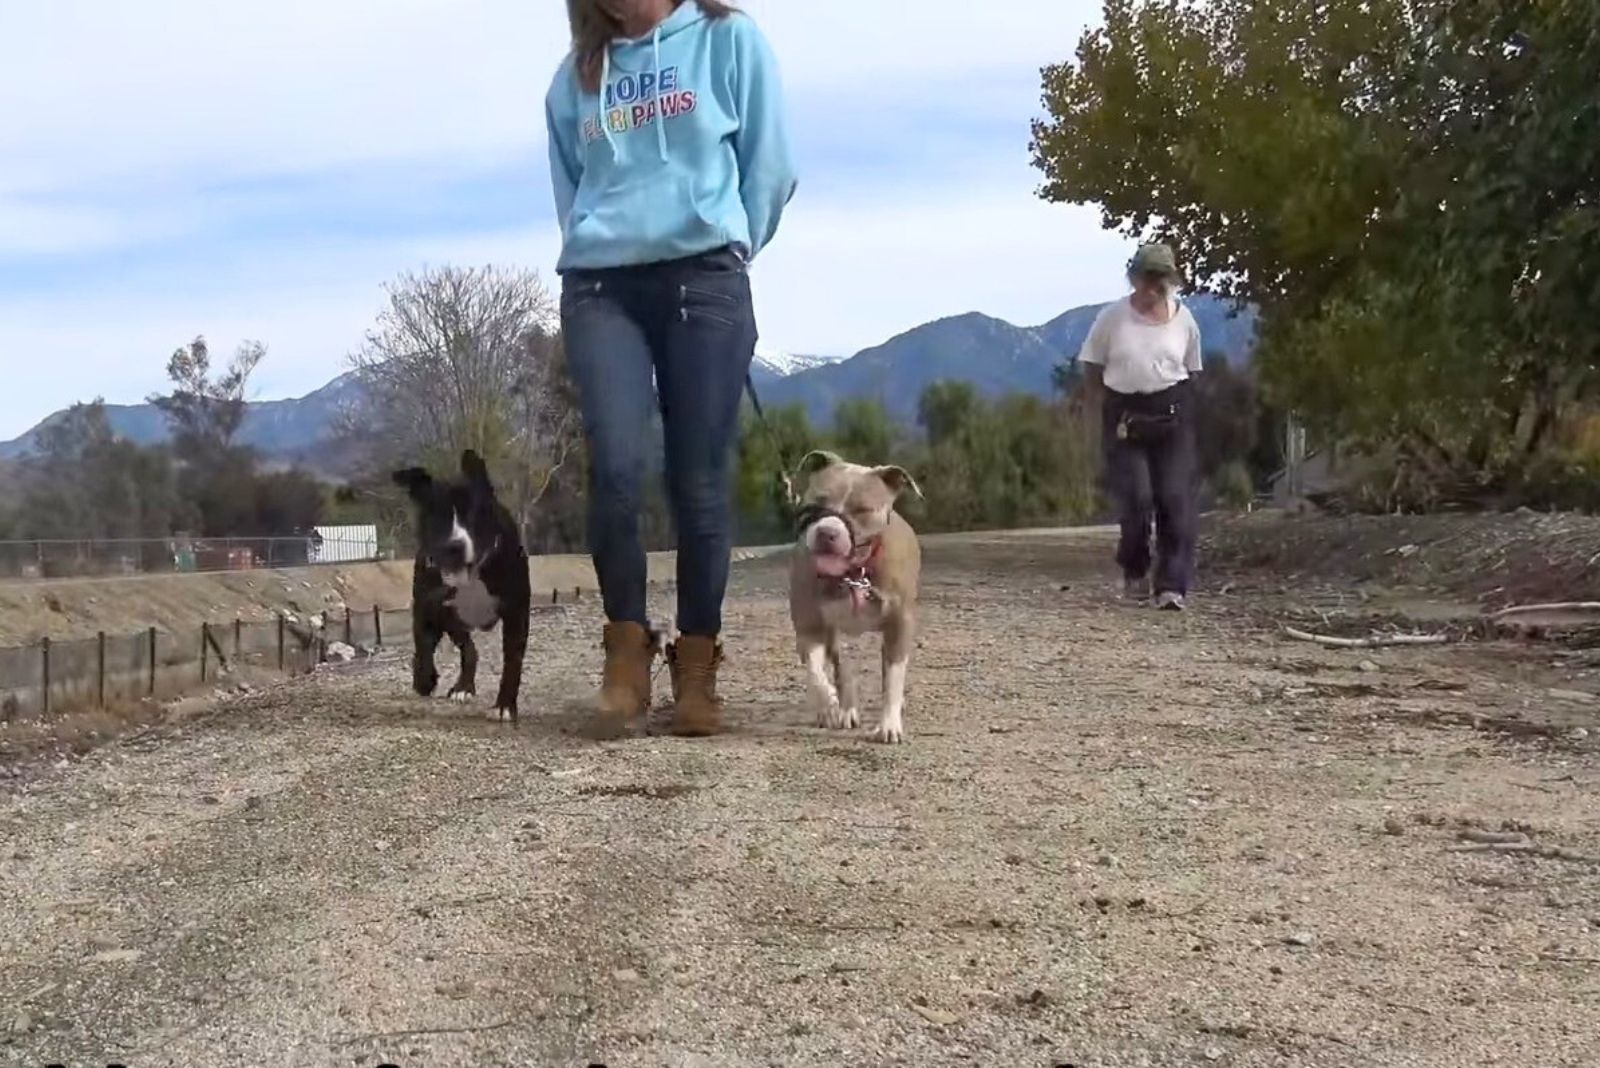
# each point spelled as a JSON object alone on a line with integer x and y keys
{"x": 720, "y": 302}
{"x": 578, "y": 293}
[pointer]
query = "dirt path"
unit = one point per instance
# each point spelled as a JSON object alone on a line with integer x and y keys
{"x": 1114, "y": 838}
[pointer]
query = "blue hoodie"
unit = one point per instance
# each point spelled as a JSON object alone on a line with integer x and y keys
{"x": 688, "y": 154}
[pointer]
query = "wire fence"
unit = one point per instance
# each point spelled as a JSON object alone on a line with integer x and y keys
{"x": 48, "y": 678}
{"x": 95, "y": 557}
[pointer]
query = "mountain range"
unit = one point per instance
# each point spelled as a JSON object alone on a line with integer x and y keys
{"x": 997, "y": 357}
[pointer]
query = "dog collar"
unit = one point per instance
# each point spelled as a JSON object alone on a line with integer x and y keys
{"x": 857, "y": 582}
{"x": 869, "y": 559}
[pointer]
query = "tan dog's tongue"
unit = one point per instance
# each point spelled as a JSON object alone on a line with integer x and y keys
{"x": 831, "y": 565}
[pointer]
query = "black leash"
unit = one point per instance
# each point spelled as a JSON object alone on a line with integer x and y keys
{"x": 791, "y": 499}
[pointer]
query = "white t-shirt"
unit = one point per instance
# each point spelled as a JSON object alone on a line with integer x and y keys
{"x": 1140, "y": 356}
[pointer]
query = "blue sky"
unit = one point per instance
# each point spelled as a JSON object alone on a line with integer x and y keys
{"x": 258, "y": 169}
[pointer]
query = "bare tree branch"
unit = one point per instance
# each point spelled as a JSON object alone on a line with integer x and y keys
{"x": 468, "y": 358}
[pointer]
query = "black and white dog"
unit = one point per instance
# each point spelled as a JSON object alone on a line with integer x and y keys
{"x": 471, "y": 572}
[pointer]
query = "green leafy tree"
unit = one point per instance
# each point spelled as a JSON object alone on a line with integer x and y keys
{"x": 85, "y": 482}
{"x": 205, "y": 411}
{"x": 946, "y": 410}
{"x": 766, "y": 454}
{"x": 219, "y": 478}
{"x": 1409, "y": 191}
{"x": 863, "y": 431}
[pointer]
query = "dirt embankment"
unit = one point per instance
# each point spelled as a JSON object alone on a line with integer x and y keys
{"x": 1493, "y": 560}
{"x": 63, "y": 609}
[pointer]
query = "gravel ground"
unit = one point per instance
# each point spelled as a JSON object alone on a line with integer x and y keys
{"x": 1113, "y": 838}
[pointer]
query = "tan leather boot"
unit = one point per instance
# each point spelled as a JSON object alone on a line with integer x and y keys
{"x": 696, "y": 709}
{"x": 625, "y": 684}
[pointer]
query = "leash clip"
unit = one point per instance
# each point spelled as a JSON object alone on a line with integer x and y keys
{"x": 860, "y": 590}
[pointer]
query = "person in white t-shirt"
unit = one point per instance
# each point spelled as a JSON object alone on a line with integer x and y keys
{"x": 1139, "y": 361}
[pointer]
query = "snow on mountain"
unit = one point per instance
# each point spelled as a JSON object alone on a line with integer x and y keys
{"x": 775, "y": 364}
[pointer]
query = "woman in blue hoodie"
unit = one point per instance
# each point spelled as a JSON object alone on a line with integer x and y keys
{"x": 671, "y": 169}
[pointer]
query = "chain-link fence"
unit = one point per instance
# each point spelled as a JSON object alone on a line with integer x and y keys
{"x": 88, "y": 557}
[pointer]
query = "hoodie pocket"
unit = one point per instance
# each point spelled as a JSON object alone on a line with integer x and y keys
{"x": 656, "y": 213}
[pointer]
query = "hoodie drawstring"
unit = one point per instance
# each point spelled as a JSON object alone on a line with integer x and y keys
{"x": 661, "y": 118}
{"x": 605, "y": 80}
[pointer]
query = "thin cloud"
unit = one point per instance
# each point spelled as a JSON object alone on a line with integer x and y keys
{"x": 258, "y": 171}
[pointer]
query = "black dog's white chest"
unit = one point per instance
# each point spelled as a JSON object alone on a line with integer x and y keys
{"x": 474, "y": 604}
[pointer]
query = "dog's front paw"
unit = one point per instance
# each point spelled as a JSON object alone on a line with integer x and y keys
{"x": 888, "y": 732}
{"x": 425, "y": 684}
{"x": 461, "y": 697}
{"x": 832, "y": 715}
{"x": 504, "y": 711}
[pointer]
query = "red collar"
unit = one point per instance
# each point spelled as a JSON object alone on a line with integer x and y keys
{"x": 867, "y": 564}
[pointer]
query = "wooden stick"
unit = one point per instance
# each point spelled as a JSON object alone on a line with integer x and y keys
{"x": 1561, "y": 613}
{"x": 1366, "y": 643}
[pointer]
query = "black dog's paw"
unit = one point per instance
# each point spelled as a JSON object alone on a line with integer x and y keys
{"x": 425, "y": 683}
{"x": 505, "y": 709}
{"x": 462, "y": 694}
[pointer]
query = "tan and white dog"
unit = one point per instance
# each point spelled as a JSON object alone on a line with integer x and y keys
{"x": 856, "y": 569}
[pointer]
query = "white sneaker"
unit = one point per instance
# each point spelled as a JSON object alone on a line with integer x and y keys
{"x": 1169, "y": 601}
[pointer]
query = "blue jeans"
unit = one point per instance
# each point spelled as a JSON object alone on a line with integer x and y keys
{"x": 692, "y": 323}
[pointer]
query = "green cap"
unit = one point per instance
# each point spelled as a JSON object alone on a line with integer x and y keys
{"x": 1153, "y": 259}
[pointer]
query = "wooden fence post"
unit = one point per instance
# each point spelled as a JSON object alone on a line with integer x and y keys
{"x": 44, "y": 649}
{"x": 377, "y": 627}
{"x": 280, "y": 641}
{"x": 205, "y": 643}
{"x": 238, "y": 637}
{"x": 101, "y": 663}
{"x": 349, "y": 631}
{"x": 152, "y": 688}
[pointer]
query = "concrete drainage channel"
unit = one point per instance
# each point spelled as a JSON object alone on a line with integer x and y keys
{"x": 95, "y": 670}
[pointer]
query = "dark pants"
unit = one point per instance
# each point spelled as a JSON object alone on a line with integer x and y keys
{"x": 690, "y": 322}
{"x": 1154, "y": 480}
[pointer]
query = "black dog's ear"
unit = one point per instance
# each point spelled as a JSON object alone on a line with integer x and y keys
{"x": 475, "y": 469}
{"x": 415, "y": 481}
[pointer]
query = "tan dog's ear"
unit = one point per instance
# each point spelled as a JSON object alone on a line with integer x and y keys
{"x": 815, "y": 461}
{"x": 898, "y": 479}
